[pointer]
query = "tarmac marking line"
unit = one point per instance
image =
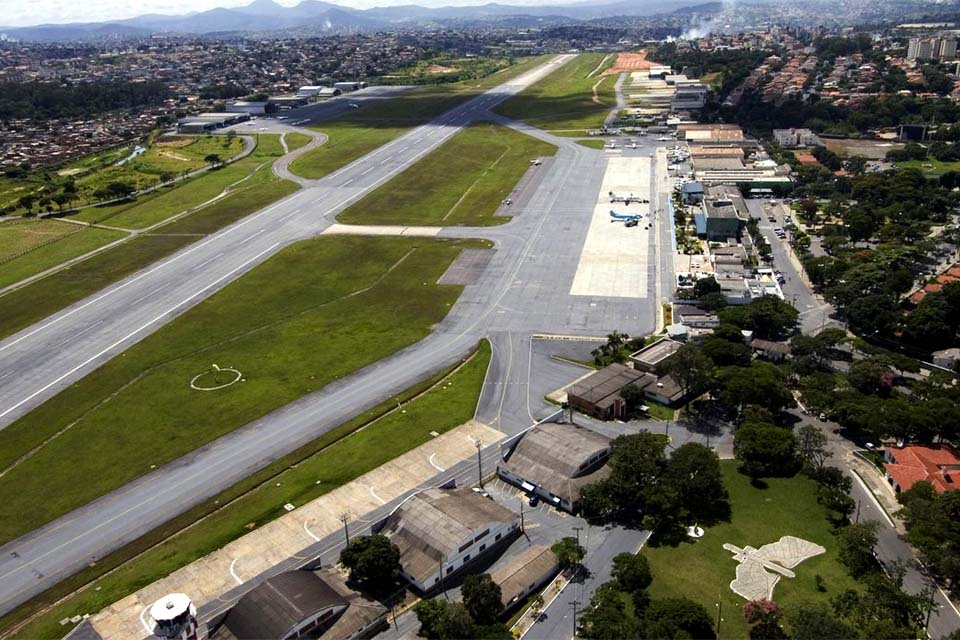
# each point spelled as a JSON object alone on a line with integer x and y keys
{"x": 233, "y": 573}
{"x": 205, "y": 263}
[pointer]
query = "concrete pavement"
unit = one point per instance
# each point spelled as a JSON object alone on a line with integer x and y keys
{"x": 523, "y": 290}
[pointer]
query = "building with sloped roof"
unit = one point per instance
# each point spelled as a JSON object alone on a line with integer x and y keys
{"x": 937, "y": 464}
{"x": 439, "y": 532}
{"x": 524, "y": 573}
{"x": 599, "y": 393}
{"x": 295, "y": 604}
{"x": 555, "y": 462}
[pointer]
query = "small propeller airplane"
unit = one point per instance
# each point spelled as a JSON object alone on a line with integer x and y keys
{"x": 624, "y": 217}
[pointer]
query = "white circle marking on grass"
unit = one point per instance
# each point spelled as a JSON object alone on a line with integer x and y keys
{"x": 215, "y": 369}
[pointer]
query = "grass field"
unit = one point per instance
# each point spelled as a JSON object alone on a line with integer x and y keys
{"x": 703, "y": 570}
{"x": 139, "y": 410}
{"x": 461, "y": 183}
{"x": 29, "y": 304}
{"x": 563, "y": 102}
{"x": 378, "y": 436}
{"x": 18, "y": 236}
{"x": 296, "y": 140}
{"x": 172, "y": 156}
{"x": 931, "y": 167}
{"x": 47, "y": 256}
{"x": 592, "y": 144}
{"x": 373, "y": 126}
{"x": 161, "y": 205}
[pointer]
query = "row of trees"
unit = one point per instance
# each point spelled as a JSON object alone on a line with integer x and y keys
{"x": 477, "y": 616}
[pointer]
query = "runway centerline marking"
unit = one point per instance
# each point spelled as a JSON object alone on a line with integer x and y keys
{"x": 205, "y": 263}
{"x": 150, "y": 293}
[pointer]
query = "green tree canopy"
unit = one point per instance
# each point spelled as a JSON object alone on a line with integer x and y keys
{"x": 765, "y": 450}
{"x": 373, "y": 561}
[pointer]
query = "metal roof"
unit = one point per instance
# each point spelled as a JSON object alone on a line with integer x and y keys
{"x": 605, "y": 383}
{"x": 279, "y": 604}
{"x": 434, "y": 524}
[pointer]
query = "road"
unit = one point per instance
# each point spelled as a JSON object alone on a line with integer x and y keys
{"x": 523, "y": 291}
{"x": 814, "y": 313}
{"x": 890, "y": 548}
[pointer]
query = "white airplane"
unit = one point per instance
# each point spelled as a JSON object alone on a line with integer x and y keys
{"x": 624, "y": 217}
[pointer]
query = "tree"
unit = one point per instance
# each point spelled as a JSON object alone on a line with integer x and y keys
{"x": 812, "y": 447}
{"x": 763, "y": 616}
{"x": 612, "y": 350}
{"x": 26, "y": 202}
{"x": 607, "y": 618}
{"x": 725, "y": 353}
{"x": 855, "y": 544}
{"x": 212, "y": 159}
{"x": 569, "y": 553}
{"x": 762, "y": 383}
{"x": 765, "y": 450}
{"x": 693, "y": 474}
{"x": 636, "y": 464}
{"x": 703, "y": 286}
{"x": 767, "y": 316}
{"x": 482, "y": 598}
{"x": 810, "y": 621}
{"x": 671, "y": 618}
{"x": 631, "y": 572}
{"x": 931, "y": 520}
{"x": 691, "y": 369}
{"x": 633, "y": 398}
{"x": 373, "y": 561}
{"x": 431, "y": 614}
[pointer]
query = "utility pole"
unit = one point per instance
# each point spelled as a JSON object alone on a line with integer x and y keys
{"x": 345, "y": 519}
{"x": 573, "y": 605}
{"x": 479, "y": 463}
{"x": 857, "y": 519}
{"x": 577, "y": 531}
{"x": 521, "y": 516}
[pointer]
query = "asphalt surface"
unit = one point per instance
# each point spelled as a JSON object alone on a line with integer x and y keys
{"x": 814, "y": 313}
{"x": 523, "y": 291}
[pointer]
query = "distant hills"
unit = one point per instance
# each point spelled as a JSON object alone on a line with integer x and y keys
{"x": 267, "y": 15}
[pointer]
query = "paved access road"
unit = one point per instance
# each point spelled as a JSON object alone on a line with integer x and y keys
{"x": 524, "y": 290}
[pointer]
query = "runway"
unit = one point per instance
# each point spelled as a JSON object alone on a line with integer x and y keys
{"x": 523, "y": 290}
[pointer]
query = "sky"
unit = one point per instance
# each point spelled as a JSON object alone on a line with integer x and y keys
{"x": 21, "y": 13}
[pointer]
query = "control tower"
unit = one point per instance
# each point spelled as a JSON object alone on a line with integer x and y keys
{"x": 174, "y": 617}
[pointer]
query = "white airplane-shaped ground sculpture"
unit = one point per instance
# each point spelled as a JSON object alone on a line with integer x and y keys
{"x": 760, "y": 569}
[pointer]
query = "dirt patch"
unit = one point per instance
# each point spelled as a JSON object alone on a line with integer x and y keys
{"x": 173, "y": 156}
{"x": 69, "y": 172}
{"x": 175, "y": 142}
{"x": 870, "y": 149}
{"x": 439, "y": 68}
{"x": 629, "y": 62}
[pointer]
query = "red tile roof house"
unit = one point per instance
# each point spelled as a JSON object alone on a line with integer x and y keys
{"x": 937, "y": 464}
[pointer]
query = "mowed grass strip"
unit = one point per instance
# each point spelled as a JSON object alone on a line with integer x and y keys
{"x": 461, "y": 183}
{"x": 563, "y": 101}
{"x": 374, "y": 125}
{"x": 352, "y": 449}
{"x": 81, "y": 240}
{"x": 703, "y": 570}
{"x": 296, "y": 140}
{"x": 317, "y": 311}
{"x": 31, "y": 303}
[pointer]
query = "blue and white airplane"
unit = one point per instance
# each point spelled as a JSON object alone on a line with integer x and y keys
{"x": 624, "y": 217}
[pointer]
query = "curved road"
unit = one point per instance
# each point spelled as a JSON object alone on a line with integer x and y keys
{"x": 522, "y": 291}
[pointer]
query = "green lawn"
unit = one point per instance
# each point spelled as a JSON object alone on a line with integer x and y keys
{"x": 703, "y": 570}
{"x": 461, "y": 183}
{"x": 296, "y": 140}
{"x": 49, "y": 255}
{"x": 25, "y": 234}
{"x": 160, "y": 205}
{"x": 932, "y": 168}
{"x": 29, "y": 304}
{"x": 287, "y": 335}
{"x": 375, "y": 125}
{"x": 345, "y": 453}
{"x": 563, "y": 101}
{"x": 593, "y": 144}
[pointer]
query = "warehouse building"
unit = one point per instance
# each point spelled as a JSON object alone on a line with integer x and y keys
{"x": 722, "y": 215}
{"x": 439, "y": 532}
{"x": 598, "y": 394}
{"x": 524, "y": 574}
{"x": 246, "y": 106}
{"x": 298, "y": 604}
{"x": 555, "y": 462}
{"x": 655, "y": 357}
